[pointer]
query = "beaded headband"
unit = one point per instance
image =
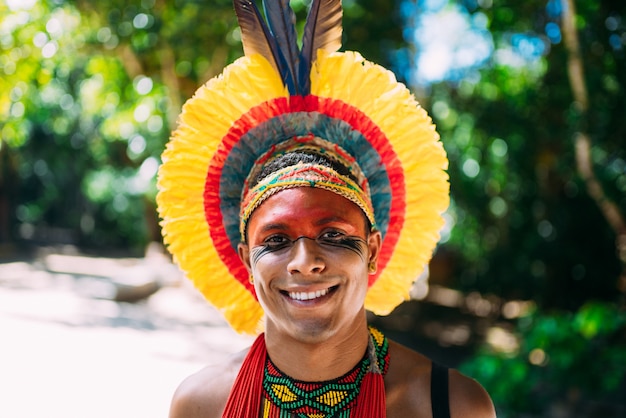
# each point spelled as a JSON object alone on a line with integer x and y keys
{"x": 304, "y": 175}
{"x": 278, "y": 96}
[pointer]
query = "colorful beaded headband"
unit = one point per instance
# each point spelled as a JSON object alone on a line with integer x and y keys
{"x": 334, "y": 101}
{"x": 304, "y": 175}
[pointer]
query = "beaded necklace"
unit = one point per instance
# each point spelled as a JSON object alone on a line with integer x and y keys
{"x": 284, "y": 397}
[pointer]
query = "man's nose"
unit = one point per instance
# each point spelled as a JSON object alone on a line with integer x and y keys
{"x": 306, "y": 257}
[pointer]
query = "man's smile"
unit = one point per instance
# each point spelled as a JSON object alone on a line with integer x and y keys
{"x": 308, "y": 296}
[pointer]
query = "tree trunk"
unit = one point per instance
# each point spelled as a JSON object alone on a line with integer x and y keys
{"x": 582, "y": 141}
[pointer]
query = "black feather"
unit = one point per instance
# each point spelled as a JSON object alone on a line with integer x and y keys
{"x": 323, "y": 30}
{"x": 255, "y": 35}
{"x": 282, "y": 23}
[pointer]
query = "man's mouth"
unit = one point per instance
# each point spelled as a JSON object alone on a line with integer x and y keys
{"x": 304, "y": 296}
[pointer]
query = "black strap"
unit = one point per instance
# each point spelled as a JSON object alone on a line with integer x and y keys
{"x": 439, "y": 391}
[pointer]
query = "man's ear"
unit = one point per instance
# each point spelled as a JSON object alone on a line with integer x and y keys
{"x": 374, "y": 242}
{"x": 244, "y": 255}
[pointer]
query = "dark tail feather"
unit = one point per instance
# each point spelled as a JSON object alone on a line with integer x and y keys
{"x": 281, "y": 19}
{"x": 323, "y": 30}
{"x": 255, "y": 35}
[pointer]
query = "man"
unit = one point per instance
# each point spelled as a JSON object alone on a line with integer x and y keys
{"x": 295, "y": 200}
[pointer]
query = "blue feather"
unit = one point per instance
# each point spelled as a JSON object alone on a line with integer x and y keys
{"x": 282, "y": 23}
{"x": 323, "y": 30}
{"x": 256, "y": 36}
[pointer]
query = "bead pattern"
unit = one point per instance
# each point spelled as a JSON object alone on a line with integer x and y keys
{"x": 285, "y": 397}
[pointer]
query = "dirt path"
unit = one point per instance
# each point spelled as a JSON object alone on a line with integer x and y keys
{"x": 67, "y": 351}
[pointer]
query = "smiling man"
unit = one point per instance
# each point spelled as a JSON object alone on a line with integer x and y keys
{"x": 296, "y": 194}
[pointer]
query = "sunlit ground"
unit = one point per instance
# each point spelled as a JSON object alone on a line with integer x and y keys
{"x": 68, "y": 352}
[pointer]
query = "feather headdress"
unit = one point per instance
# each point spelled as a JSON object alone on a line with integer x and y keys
{"x": 279, "y": 92}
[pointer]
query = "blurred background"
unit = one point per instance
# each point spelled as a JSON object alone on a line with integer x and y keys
{"x": 525, "y": 293}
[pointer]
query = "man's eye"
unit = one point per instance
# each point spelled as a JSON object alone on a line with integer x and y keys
{"x": 276, "y": 240}
{"x": 332, "y": 235}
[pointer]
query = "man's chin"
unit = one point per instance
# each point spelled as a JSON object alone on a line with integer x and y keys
{"x": 310, "y": 330}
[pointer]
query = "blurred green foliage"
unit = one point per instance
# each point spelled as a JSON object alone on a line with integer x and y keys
{"x": 562, "y": 357}
{"x": 524, "y": 224}
{"x": 81, "y": 135}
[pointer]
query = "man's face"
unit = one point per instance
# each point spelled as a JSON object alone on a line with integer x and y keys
{"x": 308, "y": 250}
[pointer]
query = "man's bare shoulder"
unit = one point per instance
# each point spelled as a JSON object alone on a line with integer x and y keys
{"x": 204, "y": 394}
{"x": 468, "y": 398}
{"x": 407, "y": 383}
{"x": 408, "y": 388}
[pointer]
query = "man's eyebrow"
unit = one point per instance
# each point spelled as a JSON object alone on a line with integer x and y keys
{"x": 273, "y": 226}
{"x": 280, "y": 226}
{"x": 331, "y": 219}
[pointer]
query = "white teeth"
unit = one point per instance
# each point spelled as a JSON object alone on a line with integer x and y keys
{"x": 308, "y": 295}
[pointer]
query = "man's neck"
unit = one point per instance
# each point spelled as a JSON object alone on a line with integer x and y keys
{"x": 318, "y": 361}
